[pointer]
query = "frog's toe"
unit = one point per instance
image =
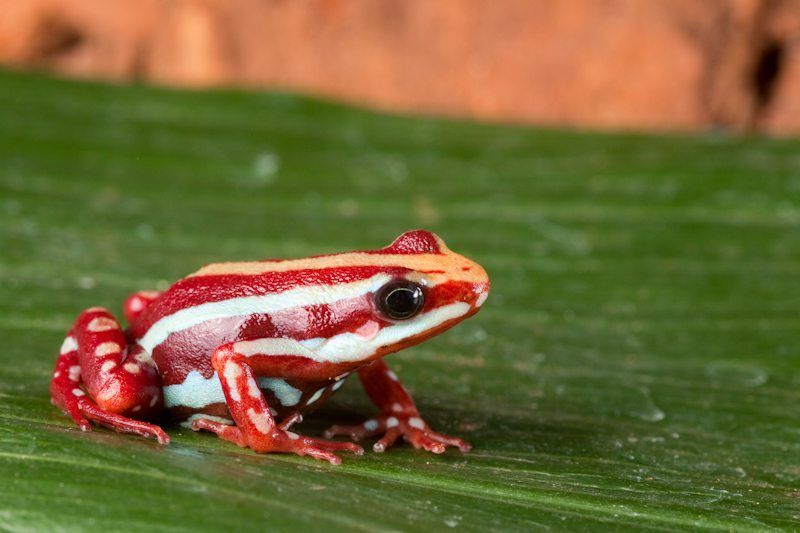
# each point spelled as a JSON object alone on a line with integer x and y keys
{"x": 121, "y": 423}
{"x": 389, "y": 438}
{"x": 223, "y": 431}
{"x": 419, "y": 440}
{"x": 74, "y": 411}
{"x": 437, "y": 442}
{"x": 333, "y": 445}
{"x": 317, "y": 448}
{"x": 319, "y": 453}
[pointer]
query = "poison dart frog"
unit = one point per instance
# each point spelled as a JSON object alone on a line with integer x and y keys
{"x": 244, "y": 350}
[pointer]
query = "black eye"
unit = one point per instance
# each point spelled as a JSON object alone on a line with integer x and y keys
{"x": 400, "y": 299}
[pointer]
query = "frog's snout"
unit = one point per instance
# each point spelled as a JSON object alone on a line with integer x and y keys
{"x": 481, "y": 291}
{"x": 480, "y": 285}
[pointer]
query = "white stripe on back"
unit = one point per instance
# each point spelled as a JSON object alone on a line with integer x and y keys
{"x": 248, "y": 305}
{"x": 279, "y": 346}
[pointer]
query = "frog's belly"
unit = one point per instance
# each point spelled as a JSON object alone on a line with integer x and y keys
{"x": 198, "y": 396}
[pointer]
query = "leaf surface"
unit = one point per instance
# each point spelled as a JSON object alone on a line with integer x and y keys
{"x": 636, "y": 366}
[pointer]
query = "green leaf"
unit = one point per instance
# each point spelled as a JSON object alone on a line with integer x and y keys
{"x": 636, "y": 366}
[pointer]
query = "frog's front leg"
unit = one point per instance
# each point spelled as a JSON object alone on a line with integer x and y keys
{"x": 255, "y": 427}
{"x": 122, "y": 382}
{"x": 399, "y": 416}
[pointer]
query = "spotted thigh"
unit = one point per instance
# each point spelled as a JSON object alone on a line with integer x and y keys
{"x": 99, "y": 377}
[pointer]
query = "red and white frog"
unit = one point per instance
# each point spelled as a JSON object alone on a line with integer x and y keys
{"x": 236, "y": 347}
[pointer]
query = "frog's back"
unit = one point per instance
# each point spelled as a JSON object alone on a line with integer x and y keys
{"x": 224, "y": 290}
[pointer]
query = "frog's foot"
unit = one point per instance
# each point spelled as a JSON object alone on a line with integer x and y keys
{"x": 120, "y": 382}
{"x": 255, "y": 427}
{"x": 399, "y": 416}
{"x": 279, "y": 441}
{"x": 412, "y": 428}
{"x": 223, "y": 431}
{"x": 121, "y": 423}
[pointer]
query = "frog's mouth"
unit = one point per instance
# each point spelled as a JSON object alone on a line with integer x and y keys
{"x": 422, "y": 336}
{"x": 390, "y": 337}
{"x": 481, "y": 291}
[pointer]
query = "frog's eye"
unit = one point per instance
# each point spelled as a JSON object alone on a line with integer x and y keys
{"x": 400, "y": 299}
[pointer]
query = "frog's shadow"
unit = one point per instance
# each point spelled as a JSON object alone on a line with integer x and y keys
{"x": 491, "y": 432}
{"x": 496, "y": 431}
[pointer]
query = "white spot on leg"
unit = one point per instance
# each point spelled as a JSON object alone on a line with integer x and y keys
{"x": 253, "y": 389}
{"x": 108, "y": 392}
{"x": 392, "y": 422}
{"x": 136, "y": 408}
{"x": 107, "y": 366}
{"x": 293, "y": 436}
{"x": 416, "y": 422}
{"x": 260, "y": 421}
{"x": 78, "y": 392}
{"x": 102, "y": 323}
{"x": 391, "y": 375}
{"x": 69, "y": 345}
{"x": 132, "y": 368}
{"x": 107, "y": 348}
{"x": 57, "y": 374}
{"x": 371, "y": 425}
{"x": 231, "y": 373}
{"x": 340, "y": 380}
{"x": 74, "y": 373}
{"x": 314, "y": 397}
{"x": 143, "y": 357}
{"x": 397, "y": 408}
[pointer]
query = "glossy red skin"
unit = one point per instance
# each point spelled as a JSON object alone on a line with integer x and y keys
{"x": 203, "y": 348}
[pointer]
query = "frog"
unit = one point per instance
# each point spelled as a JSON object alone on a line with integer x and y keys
{"x": 245, "y": 350}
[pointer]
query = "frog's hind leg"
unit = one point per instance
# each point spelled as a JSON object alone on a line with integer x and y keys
{"x": 121, "y": 381}
{"x": 255, "y": 426}
{"x": 136, "y": 303}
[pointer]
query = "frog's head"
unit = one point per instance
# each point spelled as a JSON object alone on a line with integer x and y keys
{"x": 429, "y": 290}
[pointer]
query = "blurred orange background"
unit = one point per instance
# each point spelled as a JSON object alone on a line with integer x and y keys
{"x": 614, "y": 64}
